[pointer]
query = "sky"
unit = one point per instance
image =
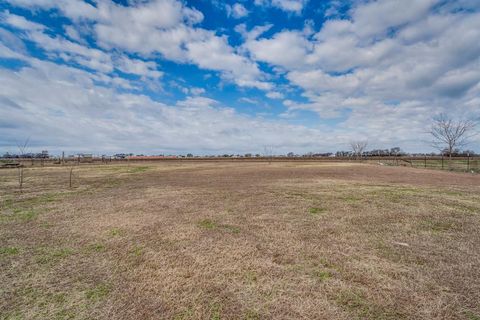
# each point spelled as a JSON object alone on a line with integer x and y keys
{"x": 214, "y": 77}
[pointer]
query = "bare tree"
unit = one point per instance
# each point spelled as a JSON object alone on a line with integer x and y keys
{"x": 22, "y": 148}
{"x": 268, "y": 153}
{"x": 358, "y": 147}
{"x": 449, "y": 134}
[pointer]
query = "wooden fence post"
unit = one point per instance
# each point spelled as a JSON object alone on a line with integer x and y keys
{"x": 70, "y": 179}
{"x": 425, "y": 161}
{"x": 442, "y": 161}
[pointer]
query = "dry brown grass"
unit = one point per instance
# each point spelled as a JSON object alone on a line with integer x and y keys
{"x": 240, "y": 241}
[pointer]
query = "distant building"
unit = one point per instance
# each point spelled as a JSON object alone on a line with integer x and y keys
{"x": 85, "y": 157}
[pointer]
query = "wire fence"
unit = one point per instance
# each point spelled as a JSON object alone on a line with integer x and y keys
{"x": 460, "y": 164}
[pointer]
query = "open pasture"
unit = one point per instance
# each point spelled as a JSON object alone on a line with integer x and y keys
{"x": 249, "y": 240}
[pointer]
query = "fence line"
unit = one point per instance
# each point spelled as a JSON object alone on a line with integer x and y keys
{"x": 466, "y": 164}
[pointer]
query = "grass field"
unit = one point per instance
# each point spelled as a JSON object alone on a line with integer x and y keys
{"x": 240, "y": 241}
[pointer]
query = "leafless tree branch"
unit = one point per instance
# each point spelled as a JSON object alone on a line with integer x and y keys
{"x": 449, "y": 134}
{"x": 358, "y": 147}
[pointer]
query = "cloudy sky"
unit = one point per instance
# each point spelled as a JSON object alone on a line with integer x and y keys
{"x": 212, "y": 76}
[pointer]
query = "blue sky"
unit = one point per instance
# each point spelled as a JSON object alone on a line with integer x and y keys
{"x": 210, "y": 76}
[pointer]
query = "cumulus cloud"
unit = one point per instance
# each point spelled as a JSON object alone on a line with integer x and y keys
{"x": 411, "y": 52}
{"x": 19, "y": 22}
{"x": 165, "y": 27}
{"x": 379, "y": 71}
{"x": 78, "y": 115}
{"x": 237, "y": 11}
{"x": 273, "y": 50}
{"x": 292, "y": 6}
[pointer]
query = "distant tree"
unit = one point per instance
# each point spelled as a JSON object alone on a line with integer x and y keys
{"x": 290, "y": 154}
{"x": 395, "y": 151}
{"x": 358, "y": 147}
{"x": 22, "y": 148}
{"x": 449, "y": 135}
{"x": 468, "y": 153}
{"x": 189, "y": 155}
{"x": 268, "y": 153}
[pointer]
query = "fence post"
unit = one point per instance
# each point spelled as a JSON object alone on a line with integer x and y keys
{"x": 468, "y": 162}
{"x": 70, "y": 178}
{"x": 425, "y": 161}
{"x": 442, "y": 161}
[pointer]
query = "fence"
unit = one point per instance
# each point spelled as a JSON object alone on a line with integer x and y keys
{"x": 462, "y": 164}
{"x": 465, "y": 164}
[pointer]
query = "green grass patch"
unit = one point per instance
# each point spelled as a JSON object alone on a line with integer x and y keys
{"x": 7, "y": 204}
{"x": 207, "y": 224}
{"x": 465, "y": 208}
{"x": 184, "y": 315}
{"x": 230, "y": 228}
{"x": 251, "y": 277}
{"x": 252, "y": 315}
{"x": 116, "y": 232}
{"x": 136, "y": 251}
{"x": 316, "y": 211}
{"x": 19, "y": 214}
{"x": 14, "y": 315}
{"x": 215, "y": 311}
{"x": 49, "y": 256}
{"x": 322, "y": 274}
{"x": 96, "y": 247}
{"x": 437, "y": 226}
{"x": 471, "y": 316}
{"x": 25, "y": 215}
{"x": 138, "y": 169}
{"x": 64, "y": 315}
{"x": 212, "y": 225}
{"x": 24, "y": 210}
{"x": 98, "y": 293}
{"x": 9, "y": 251}
{"x": 350, "y": 199}
{"x": 39, "y": 200}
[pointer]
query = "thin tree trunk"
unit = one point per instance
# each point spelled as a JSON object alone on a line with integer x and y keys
{"x": 20, "y": 179}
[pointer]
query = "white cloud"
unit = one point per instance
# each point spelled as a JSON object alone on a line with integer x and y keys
{"x": 138, "y": 67}
{"x": 19, "y": 22}
{"x": 165, "y": 27}
{"x": 11, "y": 46}
{"x": 216, "y": 54}
{"x": 401, "y": 51}
{"x": 275, "y": 95}
{"x": 292, "y": 6}
{"x": 274, "y": 50}
{"x": 380, "y": 73}
{"x": 80, "y": 116}
{"x": 248, "y": 100}
{"x": 377, "y": 17}
{"x": 237, "y": 11}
